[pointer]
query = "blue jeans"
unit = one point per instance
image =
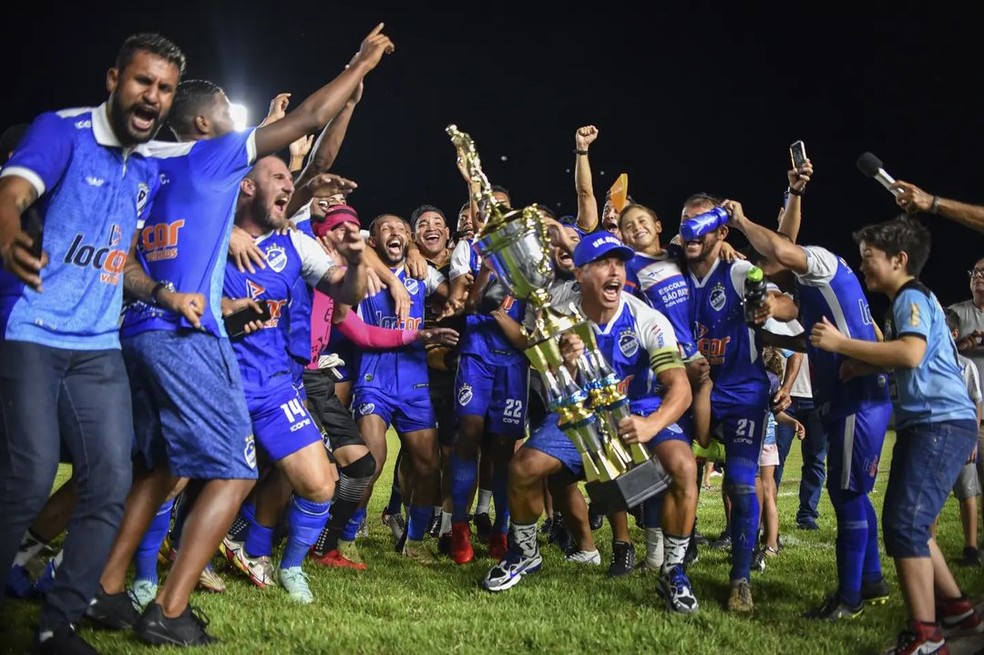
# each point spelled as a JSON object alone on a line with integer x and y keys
{"x": 49, "y": 398}
{"x": 814, "y": 449}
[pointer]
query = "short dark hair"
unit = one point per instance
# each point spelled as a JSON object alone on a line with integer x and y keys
{"x": 423, "y": 209}
{"x": 635, "y": 205}
{"x": 379, "y": 217}
{"x": 546, "y": 210}
{"x": 952, "y": 320}
{"x": 190, "y": 99}
{"x": 901, "y": 234}
{"x": 501, "y": 189}
{"x": 701, "y": 198}
{"x": 154, "y": 44}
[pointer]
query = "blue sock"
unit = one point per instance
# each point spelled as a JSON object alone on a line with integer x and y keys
{"x": 420, "y": 516}
{"x": 871, "y": 570}
{"x": 500, "y": 496}
{"x": 652, "y": 515}
{"x": 306, "y": 518}
{"x": 744, "y": 520}
{"x": 352, "y": 527}
{"x": 464, "y": 474}
{"x": 145, "y": 559}
{"x": 245, "y": 519}
{"x": 259, "y": 540}
{"x": 852, "y": 540}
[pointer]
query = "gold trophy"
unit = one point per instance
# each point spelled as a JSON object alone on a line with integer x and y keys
{"x": 515, "y": 243}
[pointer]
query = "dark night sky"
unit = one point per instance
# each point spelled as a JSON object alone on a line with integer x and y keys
{"x": 687, "y": 97}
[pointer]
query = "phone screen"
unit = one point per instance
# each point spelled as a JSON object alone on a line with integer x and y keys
{"x": 797, "y": 153}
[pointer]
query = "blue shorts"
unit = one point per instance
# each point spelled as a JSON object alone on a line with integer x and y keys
{"x": 926, "y": 461}
{"x": 281, "y": 422}
{"x": 496, "y": 392}
{"x": 297, "y": 377}
{"x": 189, "y": 412}
{"x": 407, "y": 413}
{"x": 743, "y": 431}
{"x": 551, "y": 440}
{"x": 855, "y": 445}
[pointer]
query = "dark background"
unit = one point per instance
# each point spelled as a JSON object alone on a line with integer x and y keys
{"x": 687, "y": 98}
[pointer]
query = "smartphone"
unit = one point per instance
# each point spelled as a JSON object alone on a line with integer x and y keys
{"x": 797, "y": 153}
{"x": 235, "y": 323}
{"x": 33, "y": 228}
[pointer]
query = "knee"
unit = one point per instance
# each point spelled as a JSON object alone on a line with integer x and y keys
{"x": 904, "y": 538}
{"x": 364, "y": 467}
{"x": 523, "y": 469}
{"x": 320, "y": 490}
{"x": 683, "y": 470}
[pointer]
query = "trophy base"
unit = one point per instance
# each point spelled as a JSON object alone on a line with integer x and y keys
{"x": 639, "y": 483}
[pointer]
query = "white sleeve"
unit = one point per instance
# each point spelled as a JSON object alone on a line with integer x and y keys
{"x": 460, "y": 259}
{"x": 973, "y": 383}
{"x": 655, "y": 330}
{"x": 434, "y": 279}
{"x": 821, "y": 266}
{"x": 302, "y": 214}
{"x": 739, "y": 270}
{"x": 314, "y": 261}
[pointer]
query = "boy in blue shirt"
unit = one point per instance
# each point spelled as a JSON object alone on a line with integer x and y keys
{"x": 936, "y": 424}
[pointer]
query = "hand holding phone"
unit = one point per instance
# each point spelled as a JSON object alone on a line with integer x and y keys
{"x": 797, "y": 153}
{"x": 236, "y": 322}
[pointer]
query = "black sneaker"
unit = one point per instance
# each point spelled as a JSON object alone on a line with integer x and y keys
{"x": 723, "y": 542}
{"x": 758, "y": 560}
{"x": 561, "y": 536}
{"x": 700, "y": 539}
{"x": 834, "y": 609}
{"x": 546, "y": 525}
{"x": 398, "y": 546}
{"x": 434, "y": 527}
{"x": 874, "y": 593}
{"x": 595, "y": 520}
{"x": 64, "y": 641}
{"x": 690, "y": 557}
{"x": 483, "y": 526}
{"x": 971, "y": 557}
{"x": 807, "y": 524}
{"x": 623, "y": 559}
{"x": 186, "y": 630}
{"x": 113, "y": 611}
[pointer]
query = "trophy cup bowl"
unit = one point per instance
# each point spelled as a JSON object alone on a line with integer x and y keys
{"x": 519, "y": 253}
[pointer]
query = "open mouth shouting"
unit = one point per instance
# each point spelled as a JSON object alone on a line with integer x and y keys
{"x": 394, "y": 247}
{"x": 143, "y": 118}
{"x": 611, "y": 290}
{"x": 280, "y": 205}
{"x": 432, "y": 239}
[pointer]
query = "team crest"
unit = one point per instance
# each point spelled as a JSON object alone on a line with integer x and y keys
{"x": 628, "y": 343}
{"x": 718, "y": 297}
{"x": 249, "y": 452}
{"x": 143, "y": 192}
{"x": 365, "y": 409}
{"x": 277, "y": 258}
{"x": 412, "y": 286}
{"x": 465, "y": 394}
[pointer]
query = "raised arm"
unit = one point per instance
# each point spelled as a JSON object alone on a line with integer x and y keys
{"x": 789, "y": 220}
{"x": 587, "y": 204}
{"x": 773, "y": 246}
{"x": 913, "y": 199}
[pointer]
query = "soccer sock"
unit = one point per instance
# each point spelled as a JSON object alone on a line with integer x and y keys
{"x": 500, "y": 493}
{"x": 243, "y": 521}
{"x": 352, "y": 527}
{"x": 463, "y": 476}
{"x": 306, "y": 519}
{"x": 145, "y": 558}
{"x": 871, "y": 570}
{"x": 445, "y": 523}
{"x": 484, "y": 498}
{"x": 744, "y": 519}
{"x": 30, "y": 546}
{"x": 524, "y": 538}
{"x": 259, "y": 540}
{"x": 655, "y": 547}
{"x": 419, "y": 517}
{"x": 852, "y": 540}
{"x": 675, "y": 548}
{"x": 353, "y": 480}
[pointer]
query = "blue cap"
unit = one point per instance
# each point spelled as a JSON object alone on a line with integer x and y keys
{"x": 598, "y": 245}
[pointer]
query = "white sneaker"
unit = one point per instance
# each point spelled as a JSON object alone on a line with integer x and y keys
{"x": 142, "y": 593}
{"x": 585, "y": 557}
{"x": 295, "y": 581}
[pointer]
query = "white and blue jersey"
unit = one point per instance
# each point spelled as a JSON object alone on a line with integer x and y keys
{"x": 934, "y": 391}
{"x": 185, "y": 239}
{"x": 730, "y": 346}
{"x": 91, "y": 194}
{"x": 830, "y": 289}
{"x": 299, "y": 309}
{"x": 661, "y": 283}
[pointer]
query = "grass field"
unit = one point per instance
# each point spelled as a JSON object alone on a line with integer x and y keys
{"x": 401, "y": 607}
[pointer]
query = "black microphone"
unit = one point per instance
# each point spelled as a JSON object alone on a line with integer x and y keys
{"x": 871, "y": 166}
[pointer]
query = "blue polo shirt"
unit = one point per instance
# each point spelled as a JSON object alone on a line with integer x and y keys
{"x": 91, "y": 193}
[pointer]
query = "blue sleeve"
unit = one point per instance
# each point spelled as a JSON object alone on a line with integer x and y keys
{"x": 44, "y": 152}
{"x": 913, "y": 313}
{"x": 224, "y": 160}
{"x": 144, "y": 204}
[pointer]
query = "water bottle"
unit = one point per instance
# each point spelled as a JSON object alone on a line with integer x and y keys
{"x": 755, "y": 293}
{"x": 701, "y": 224}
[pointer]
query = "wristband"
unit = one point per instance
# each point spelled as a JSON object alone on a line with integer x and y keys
{"x": 578, "y": 151}
{"x": 800, "y": 193}
{"x": 933, "y": 208}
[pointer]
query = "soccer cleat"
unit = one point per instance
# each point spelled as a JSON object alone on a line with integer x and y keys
{"x": 230, "y": 550}
{"x": 691, "y": 556}
{"x": 350, "y": 551}
{"x": 740, "y": 600}
{"x": 142, "y": 593}
{"x": 295, "y": 581}
{"x": 167, "y": 554}
{"x": 498, "y": 546}
{"x": 483, "y": 526}
{"x": 113, "y": 611}
{"x": 258, "y": 569}
{"x": 363, "y": 530}
{"x": 209, "y": 580}
{"x": 875, "y": 593}
{"x": 807, "y": 524}
{"x": 971, "y": 557}
{"x": 771, "y": 551}
{"x": 396, "y": 523}
{"x": 834, "y": 609}
{"x": 434, "y": 525}
{"x": 592, "y": 557}
{"x": 335, "y": 559}
{"x": 959, "y": 618}
{"x": 700, "y": 539}
{"x": 674, "y": 587}
{"x": 418, "y": 552}
{"x": 46, "y": 580}
{"x": 595, "y": 519}
{"x": 560, "y": 535}
{"x": 758, "y": 560}
{"x": 461, "y": 547}
{"x": 20, "y": 585}
{"x": 508, "y": 573}
{"x": 920, "y": 639}
{"x": 623, "y": 559}
{"x": 64, "y": 641}
{"x": 723, "y": 542}
{"x": 188, "y": 629}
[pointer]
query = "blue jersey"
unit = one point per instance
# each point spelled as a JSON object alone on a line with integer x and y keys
{"x": 660, "y": 282}
{"x": 397, "y": 371}
{"x": 299, "y": 309}
{"x": 290, "y": 257}
{"x": 185, "y": 239}
{"x": 639, "y": 343}
{"x": 934, "y": 391}
{"x": 830, "y": 289}
{"x": 91, "y": 194}
{"x": 730, "y": 346}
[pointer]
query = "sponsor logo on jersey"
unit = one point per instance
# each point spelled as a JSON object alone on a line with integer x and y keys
{"x": 714, "y": 350}
{"x": 628, "y": 343}
{"x": 254, "y": 290}
{"x": 465, "y": 394}
{"x": 718, "y": 297}
{"x": 92, "y": 180}
{"x": 109, "y": 260}
{"x": 276, "y": 257}
{"x": 160, "y": 242}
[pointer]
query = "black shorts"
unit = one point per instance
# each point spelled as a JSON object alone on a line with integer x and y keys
{"x": 331, "y": 417}
{"x": 442, "y": 397}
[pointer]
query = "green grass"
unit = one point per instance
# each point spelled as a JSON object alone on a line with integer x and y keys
{"x": 401, "y": 607}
